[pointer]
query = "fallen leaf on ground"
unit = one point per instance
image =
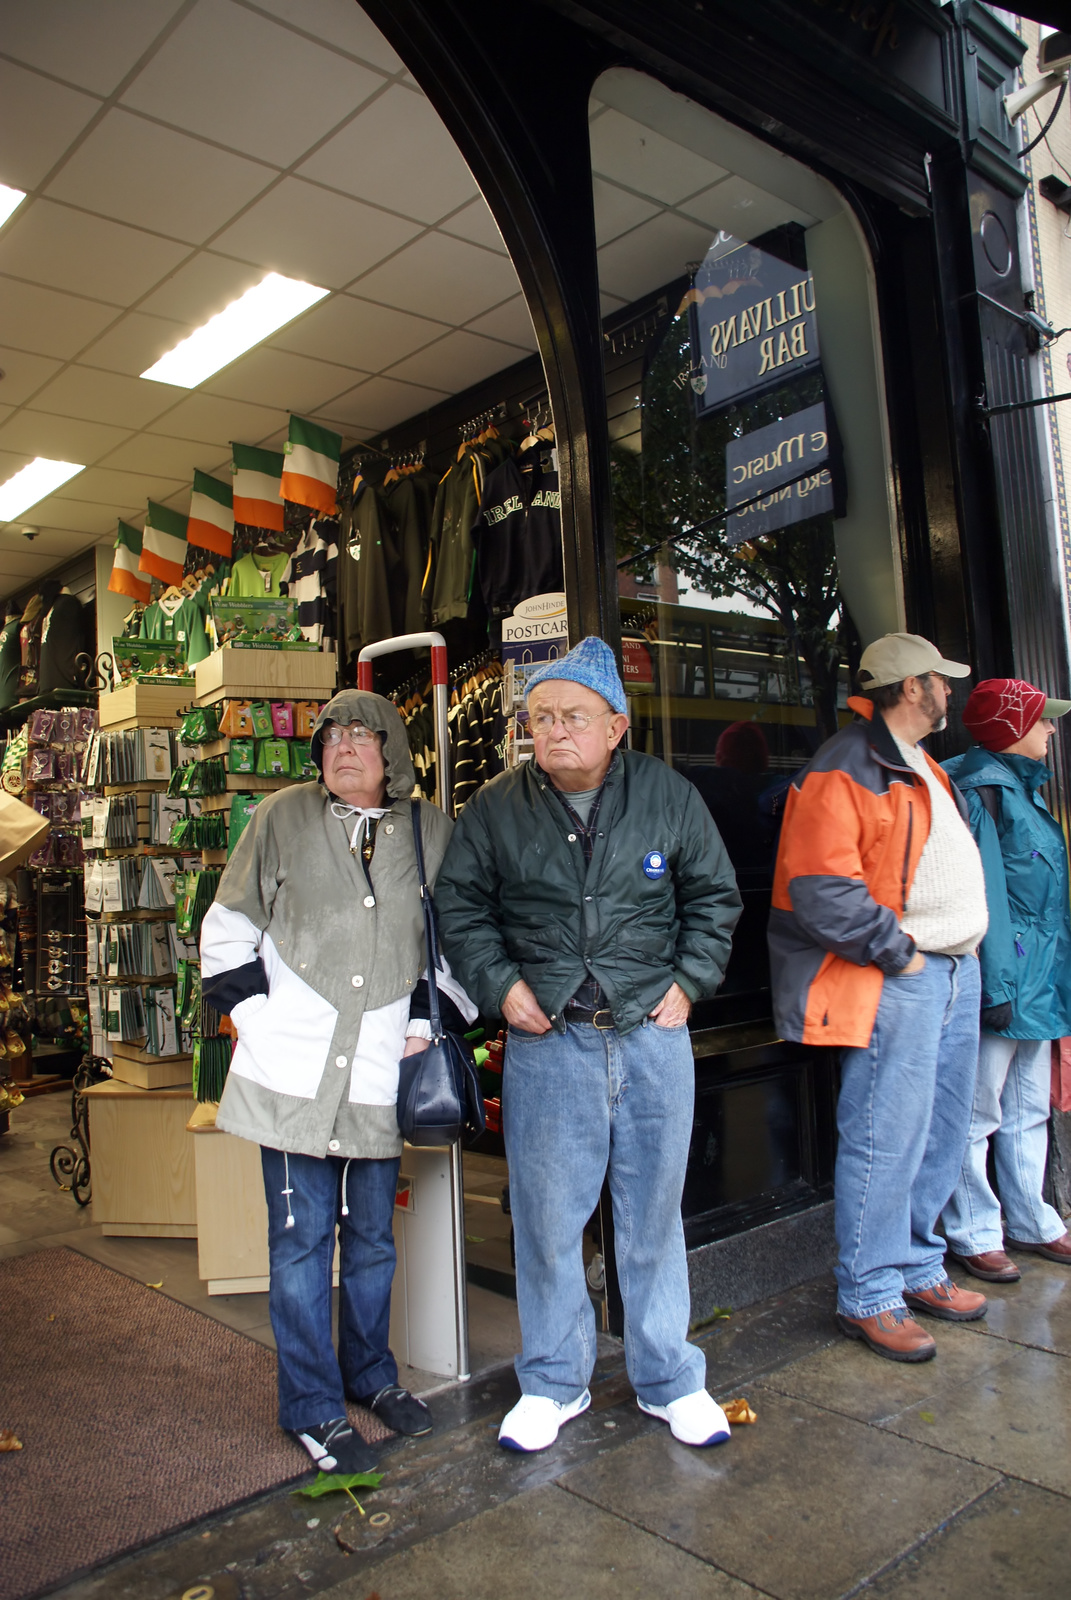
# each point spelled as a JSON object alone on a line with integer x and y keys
{"x": 927, "y": 1416}
{"x": 155, "y": 1285}
{"x": 8, "y": 1440}
{"x": 738, "y": 1411}
{"x": 331, "y": 1482}
{"x": 51, "y": 1316}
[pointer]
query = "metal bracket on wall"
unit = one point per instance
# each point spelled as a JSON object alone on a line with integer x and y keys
{"x": 1018, "y": 405}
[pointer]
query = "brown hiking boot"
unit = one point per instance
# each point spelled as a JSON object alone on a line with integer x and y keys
{"x": 949, "y": 1302}
{"x": 993, "y": 1266}
{"x": 1058, "y": 1250}
{"x": 893, "y": 1334}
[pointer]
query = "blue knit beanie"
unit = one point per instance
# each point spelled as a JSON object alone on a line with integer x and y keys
{"x": 591, "y": 663}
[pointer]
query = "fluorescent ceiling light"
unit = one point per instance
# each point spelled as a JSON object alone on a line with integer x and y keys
{"x": 238, "y": 327}
{"x": 31, "y": 484}
{"x": 10, "y": 200}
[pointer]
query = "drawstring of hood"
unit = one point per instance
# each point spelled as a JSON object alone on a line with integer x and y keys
{"x": 345, "y": 1175}
{"x": 287, "y": 1191}
{"x": 364, "y": 814}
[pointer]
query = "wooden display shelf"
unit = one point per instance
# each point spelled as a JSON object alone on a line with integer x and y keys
{"x": 213, "y": 858}
{"x": 140, "y": 786}
{"x": 137, "y": 913}
{"x": 135, "y": 1066}
{"x": 145, "y": 705}
{"x": 245, "y": 783}
{"x": 143, "y": 1168}
{"x": 229, "y": 674}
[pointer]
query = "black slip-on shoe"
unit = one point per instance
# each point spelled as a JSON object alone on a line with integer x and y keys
{"x": 399, "y": 1410}
{"x": 335, "y": 1446}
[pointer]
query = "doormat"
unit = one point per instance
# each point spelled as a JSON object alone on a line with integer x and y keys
{"x": 137, "y": 1416}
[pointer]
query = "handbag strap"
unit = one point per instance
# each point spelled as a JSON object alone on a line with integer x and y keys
{"x": 431, "y": 940}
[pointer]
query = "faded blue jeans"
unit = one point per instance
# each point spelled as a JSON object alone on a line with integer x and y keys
{"x": 573, "y": 1105}
{"x": 902, "y": 1119}
{"x": 313, "y": 1381}
{"x": 1011, "y": 1103}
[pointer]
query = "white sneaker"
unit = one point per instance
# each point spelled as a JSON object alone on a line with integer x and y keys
{"x": 534, "y": 1421}
{"x": 693, "y": 1419}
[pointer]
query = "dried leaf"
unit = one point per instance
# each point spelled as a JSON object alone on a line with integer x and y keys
{"x": 333, "y": 1482}
{"x": 155, "y": 1285}
{"x": 927, "y": 1416}
{"x": 51, "y": 1316}
{"x": 738, "y": 1411}
{"x": 8, "y": 1440}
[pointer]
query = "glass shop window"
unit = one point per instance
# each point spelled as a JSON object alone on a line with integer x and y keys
{"x": 749, "y": 457}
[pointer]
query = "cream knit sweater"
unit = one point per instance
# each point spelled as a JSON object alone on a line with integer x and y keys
{"x": 946, "y": 909}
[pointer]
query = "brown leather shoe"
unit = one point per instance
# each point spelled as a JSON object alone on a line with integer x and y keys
{"x": 949, "y": 1302}
{"x": 992, "y": 1265}
{"x": 1058, "y": 1250}
{"x": 893, "y": 1334}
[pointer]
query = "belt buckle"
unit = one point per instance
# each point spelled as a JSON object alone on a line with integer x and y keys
{"x": 603, "y": 1027}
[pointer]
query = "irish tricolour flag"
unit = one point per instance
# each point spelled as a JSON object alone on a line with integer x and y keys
{"x": 258, "y": 495}
{"x": 310, "y": 471}
{"x": 163, "y": 544}
{"x": 125, "y": 578}
{"x": 211, "y": 524}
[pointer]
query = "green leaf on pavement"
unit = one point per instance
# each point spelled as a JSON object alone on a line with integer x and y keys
{"x": 335, "y": 1482}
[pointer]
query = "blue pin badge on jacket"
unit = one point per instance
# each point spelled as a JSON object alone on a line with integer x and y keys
{"x": 654, "y": 864}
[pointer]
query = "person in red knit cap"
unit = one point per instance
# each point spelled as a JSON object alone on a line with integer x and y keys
{"x": 1026, "y": 979}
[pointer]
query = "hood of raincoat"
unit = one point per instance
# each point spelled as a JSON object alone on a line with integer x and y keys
{"x": 360, "y": 705}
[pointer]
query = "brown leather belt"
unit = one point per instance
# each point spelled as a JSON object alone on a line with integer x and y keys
{"x": 602, "y": 1019}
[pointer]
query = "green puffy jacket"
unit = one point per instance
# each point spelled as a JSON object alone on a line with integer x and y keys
{"x": 658, "y": 902}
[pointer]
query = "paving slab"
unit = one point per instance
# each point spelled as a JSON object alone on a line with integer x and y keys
{"x": 547, "y": 1546}
{"x": 854, "y": 1381}
{"x": 1010, "y": 1545}
{"x": 1035, "y": 1311}
{"x": 803, "y": 1505}
{"x": 1016, "y": 1418}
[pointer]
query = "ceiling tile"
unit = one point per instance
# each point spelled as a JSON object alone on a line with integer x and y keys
{"x": 106, "y": 487}
{"x": 398, "y": 154}
{"x": 341, "y": 23}
{"x": 740, "y": 208}
{"x": 38, "y": 120}
{"x": 80, "y": 516}
{"x": 200, "y": 288}
{"x": 11, "y": 461}
{"x": 52, "y": 244}
{"x": 210, "y": 420}
{"x": 153, "y": 455}
{"x": 23, "y": 375}
{"x": 441, "y": 277}
{"x": 233, "y": 76}
{"x": 275, "y": 377}
{"x": 17, "y": 566}
{"x": 350, "y": 330}
{"x": 135, "y": 343}
{"x": 616, "y": 210}
{"x": 509, "y": 321}
{"x": 106, "y": 397}
{"x": 60, "y": 438}
{"x": 95, "y": 46}
{"x": 647, "y": 161}
{"x": 47, "y": 321}
{"x": 381, "y": 402}
{"x": 310, "y": 233}
{"x": 651, "y": 255}
{"x": 476, "y": 224}
{"x": 455, "y": 362}
{"x": 153, "y": 177}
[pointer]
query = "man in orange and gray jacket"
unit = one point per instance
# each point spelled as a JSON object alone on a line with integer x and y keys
{"x": 878, "y": 911}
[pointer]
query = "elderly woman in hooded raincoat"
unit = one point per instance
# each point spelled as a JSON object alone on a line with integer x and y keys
{"x": 314, "y": 946}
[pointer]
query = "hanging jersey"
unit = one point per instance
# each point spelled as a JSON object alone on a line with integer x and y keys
{"x": 312, "y": 580}
{"x": 518, "y": 533}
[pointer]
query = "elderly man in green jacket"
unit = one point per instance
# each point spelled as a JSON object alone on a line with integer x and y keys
{"x": 588, "y": 899}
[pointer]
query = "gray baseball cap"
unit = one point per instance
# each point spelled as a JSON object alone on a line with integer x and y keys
{"x": 896, "y": 656}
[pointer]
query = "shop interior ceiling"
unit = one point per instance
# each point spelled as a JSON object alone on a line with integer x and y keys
{"x": 173, "y": 151}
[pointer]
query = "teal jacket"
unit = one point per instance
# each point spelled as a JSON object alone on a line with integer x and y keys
{"x": 657, "y": 904}
{"x": 1026, "y": 954}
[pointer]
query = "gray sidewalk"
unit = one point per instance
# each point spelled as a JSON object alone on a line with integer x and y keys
{"x": 950, "y": 1480}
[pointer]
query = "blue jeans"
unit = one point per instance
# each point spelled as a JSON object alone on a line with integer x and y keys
{"x": 574, "y": 1104}
{"x": 313, "y": 1381}
{"x": 902, "y": 1119}
{"x": 1011, "y": 1103}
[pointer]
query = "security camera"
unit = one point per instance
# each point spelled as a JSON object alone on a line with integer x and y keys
{"x": 1054, "y": 53}
{"x": 30, "y": 533}
{"x": 1023, "y": 99}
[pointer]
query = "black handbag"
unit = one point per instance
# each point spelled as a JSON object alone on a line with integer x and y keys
{"x": 439, "y": 1096}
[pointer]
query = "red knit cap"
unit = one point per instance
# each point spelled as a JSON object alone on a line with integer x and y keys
{"x": 1001, "y": 711}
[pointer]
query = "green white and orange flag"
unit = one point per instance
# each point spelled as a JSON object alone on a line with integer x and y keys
{"x": 125, "y": 578}
{"x": 211, "y": 524}
{"x": 310, "y": 472}
{"x": 258, "y": 495}
{"x": 163, "y": 544}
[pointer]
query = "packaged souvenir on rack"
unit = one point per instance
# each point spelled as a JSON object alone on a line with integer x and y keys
{"x": 139, "y": 661}
{"x": 258, "y": 624}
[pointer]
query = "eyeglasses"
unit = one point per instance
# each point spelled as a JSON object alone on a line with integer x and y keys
{"x": 358, "y": 733}
{"x": 571, "y": 721}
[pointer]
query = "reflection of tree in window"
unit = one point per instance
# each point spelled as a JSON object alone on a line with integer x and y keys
{"x": 677, "y": 483}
